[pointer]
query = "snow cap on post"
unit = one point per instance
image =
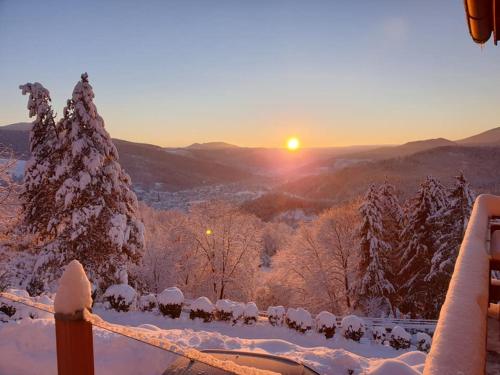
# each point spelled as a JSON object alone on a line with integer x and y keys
{"x": 74, "y": 291}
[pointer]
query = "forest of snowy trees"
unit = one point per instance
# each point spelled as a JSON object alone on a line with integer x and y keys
{"x": 374, "y": 255}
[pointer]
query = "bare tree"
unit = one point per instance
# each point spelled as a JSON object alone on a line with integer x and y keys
{"x": 229, "y": 243}
{"x": 318, "y": 264}
{"x": 213, "y": 250}
{"x": 9, "y": 191}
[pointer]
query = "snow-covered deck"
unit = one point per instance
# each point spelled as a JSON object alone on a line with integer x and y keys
{"x": 460, "y": 341}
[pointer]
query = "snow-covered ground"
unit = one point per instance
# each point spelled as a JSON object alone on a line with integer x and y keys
{"x": 27, "y": 346}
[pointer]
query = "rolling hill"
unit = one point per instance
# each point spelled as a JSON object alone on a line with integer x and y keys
{"x": 149, "y": 166}
{"x": 488, "y": 137}
{"x": 480, "y": 165}
{"x": 326, "y": 174}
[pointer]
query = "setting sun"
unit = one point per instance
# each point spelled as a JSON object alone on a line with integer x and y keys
{"x": 293, "y": 144}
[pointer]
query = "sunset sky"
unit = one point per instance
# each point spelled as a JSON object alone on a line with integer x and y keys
{"x": 253, "y": 73}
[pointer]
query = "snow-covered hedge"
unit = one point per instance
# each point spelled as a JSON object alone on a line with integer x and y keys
{"x": 400, "y": 339}
{"x": 7, "y": 309}
{"x": 147, "y": 302}
{"x": 424, "y": 342}
{"x": 379, "y": 334}
{"x": 170, "y": 302}
{"x": 299, "y": 319}
{"x": 15, "y": 311}
{"x": 353, "y": 328}
{"x": 121, "y": 297}
{"x": 326, "y": 323}
{"x": 276, "y": 315}
{"x": 251, "y": 313}
{"x": 202, "y": 308}
{"x": 224, "y": 310}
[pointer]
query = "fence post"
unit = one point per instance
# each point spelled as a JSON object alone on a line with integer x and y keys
{"x": 75, "y": 350}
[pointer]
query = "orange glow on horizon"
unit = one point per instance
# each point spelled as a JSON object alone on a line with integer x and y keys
{"x": 293, "y": 144}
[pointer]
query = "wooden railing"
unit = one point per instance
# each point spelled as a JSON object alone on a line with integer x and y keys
{"x": 459, "y": 343}
{"x": 74, "y": 341}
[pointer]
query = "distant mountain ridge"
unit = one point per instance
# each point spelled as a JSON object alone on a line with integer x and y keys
{"x": 487, "y": 137}
{"x": 479, "y": 164}
{"x": 323, "y": 173}
{"x": 20, "y": 126}
{"x": 211, "y": 146}
{"x": 149, "y": 166}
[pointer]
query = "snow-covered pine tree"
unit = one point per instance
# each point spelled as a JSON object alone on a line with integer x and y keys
{"x": 452, "y": 224}
{"x": 38, "y": 188}
{"x": 392, "y": 223}
{"x": 96, "y": 208}
{"x": 419, "y": 244}
{"x": 373, "y": 286}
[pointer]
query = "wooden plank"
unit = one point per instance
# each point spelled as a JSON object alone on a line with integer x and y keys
{"x": 75, "y": 350}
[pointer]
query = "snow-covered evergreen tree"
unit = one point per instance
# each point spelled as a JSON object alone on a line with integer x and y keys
{"x": 95, "y": 208}
{"x": 38, "y": 188}
{"x": 373, "y": 282}
{"x": 419, "y": 244}
{"x": 452, "y": 224}
{"x": 392, "y": 223}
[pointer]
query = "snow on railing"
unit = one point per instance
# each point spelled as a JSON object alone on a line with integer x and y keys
{"x": 459, "y": 343}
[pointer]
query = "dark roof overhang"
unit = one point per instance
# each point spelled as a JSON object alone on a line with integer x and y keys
{"x": 483, "y": 19}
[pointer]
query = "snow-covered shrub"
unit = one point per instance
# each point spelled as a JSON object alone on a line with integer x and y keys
{"x": 276, "y": 315}
{"x": 379, "y": 334}
{"x": 4, "y": 318}
{"x": 170, "y": 302}
{"x": 147, "y": 302}
{"x": 36, "y": 313}
{"x": 224, "y": 310}
{"x": 299, "y": 319}
{"x": 202, "y": 308}
{"x": 353, "y": 328}
{"x": 35, "y": 287}
{"x": 7, "y": 309}
{"x": 121, "y": 297}
{"x": 251, "y": 313}
{"x": 424, "y": 342}
{"x": 10, "y": 309}
{"x": 400, "y": 339}
{"x": 326, "y": 323}
{"x": 238, "y": 311}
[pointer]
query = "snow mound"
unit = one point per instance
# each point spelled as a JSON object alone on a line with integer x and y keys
{"x": 121, "y": 297}
{"x": 413, "y": 358}
{"x": 400, "y": 333}
{"x": 379, "y": 334}
{"x": 276, "y": 311}
{"x": 171, "y": 296}
{"x": 353, "y": 322}
{"x": 74, "y": 291}
{"x": 225, "y": 305}
{"x": 251, "y": 310}
{"x": 299, "y": 319}
{"x": 424, "y": 341}
{"x": 202, "y": 304}
{"x": 276, "y": 315}
{"x": 393, "y": 367}
{"x": 352, "y": 327}
{"x": 147, "y": 302}
{"x": 325, "y": 319}
{"x": 238, "y": 310}
{"x": 121, "y": 290}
